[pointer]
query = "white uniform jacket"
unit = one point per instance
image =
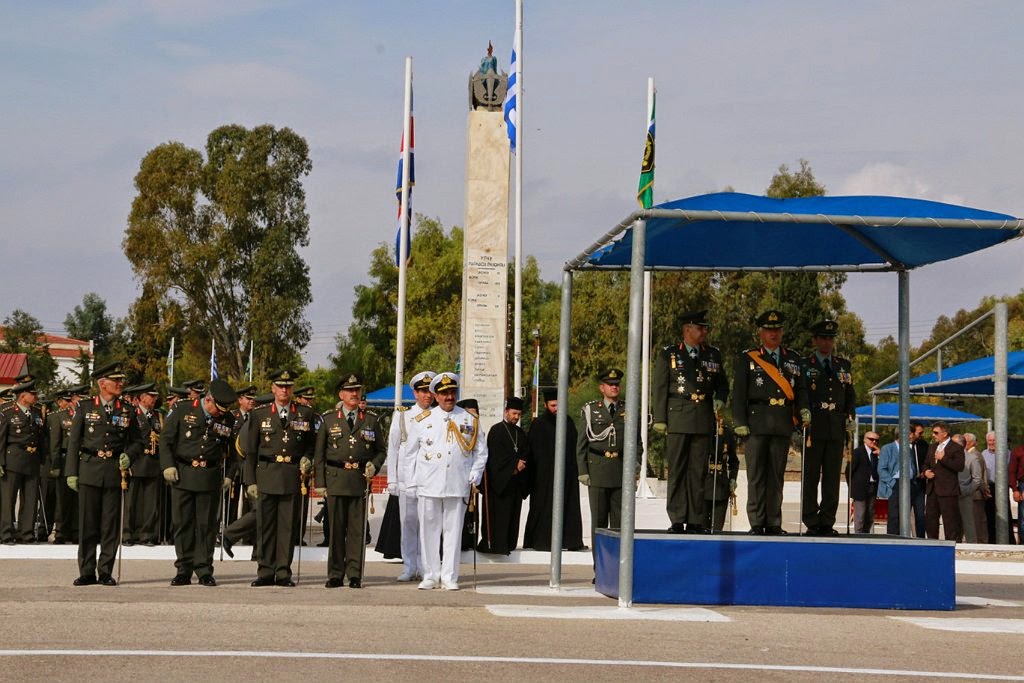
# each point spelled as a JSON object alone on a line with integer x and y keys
{"x": 400, "y": 461}
{"x": 449, "y": 453}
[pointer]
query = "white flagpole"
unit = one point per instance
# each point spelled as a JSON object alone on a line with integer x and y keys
{"x": 403, "y": 240}
{"x": 170, "y": 379}
{"x": 250, "y": 360}
{"x": 517, "y": 327}
{"x": 644, "y": 490}
{"x": 213, "y": 355}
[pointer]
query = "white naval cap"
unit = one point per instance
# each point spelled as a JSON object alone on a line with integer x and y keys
{"x": 444, "y": 381}
{"x": 421, "y": 380}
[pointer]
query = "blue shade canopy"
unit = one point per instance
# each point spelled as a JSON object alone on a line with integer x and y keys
{"x": 386, "y": 397}
{"x": 734, "y": 231}
{"x": 889, "y": 414}
{"x": 973, "y": 378}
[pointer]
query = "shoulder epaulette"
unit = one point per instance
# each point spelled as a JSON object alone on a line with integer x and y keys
{"x": 423, "y": 415}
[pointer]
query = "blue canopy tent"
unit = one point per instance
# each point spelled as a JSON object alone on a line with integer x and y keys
{"x": 385, "y": 398}
{"x": 889, "y": 414}
{"x": 737, "y": 232}
{"x": 973, "y": 378}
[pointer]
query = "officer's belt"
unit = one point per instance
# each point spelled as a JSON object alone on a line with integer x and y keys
{"x": 344, "y": 464}
{"x": 287, "y": 459}
{"x": 696, "y": 398}
{"x": 31, "y": 450}
{"x": 768, "y": 401}
{"x": 197, "y": 463}
{"x": 102, "y": 455}
{"x": 827, "y": 406}
{"x": 605, "y": 454}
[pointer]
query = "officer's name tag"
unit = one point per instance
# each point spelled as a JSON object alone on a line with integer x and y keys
{"x": 221, "y": 430}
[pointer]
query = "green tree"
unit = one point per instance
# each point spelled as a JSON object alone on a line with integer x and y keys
{"x": 23, "y": 333}
{"x": 220, "y": 236}
{"x": 90, "y": 321}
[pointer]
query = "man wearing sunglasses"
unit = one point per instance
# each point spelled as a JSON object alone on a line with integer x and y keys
{"x": 942, "y": 489}
{"x": 863, "y": 482}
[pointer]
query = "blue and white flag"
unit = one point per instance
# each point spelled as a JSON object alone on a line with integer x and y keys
{"x": 213, "y": 360}
{"x": 511, "y": 120}
{"x": 412, "y": 182}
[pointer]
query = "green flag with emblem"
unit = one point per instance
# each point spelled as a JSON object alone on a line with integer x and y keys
{"x": 645, "y": 190}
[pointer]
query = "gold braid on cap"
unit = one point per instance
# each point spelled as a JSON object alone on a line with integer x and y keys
{"x": 452, "y": 429}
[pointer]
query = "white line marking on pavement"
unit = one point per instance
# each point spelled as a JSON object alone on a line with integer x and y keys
{"x": 966, "y": 624}
{"x": 609, "y": 612}
{"x": 543, "y": 591}
{"x": 985, "y": 568}
{"x": 459, "y": 659}
{"x": 986, "y": 602}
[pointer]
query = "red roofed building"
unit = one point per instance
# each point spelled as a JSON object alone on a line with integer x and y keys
{"x": 64, "y": 350}
{"x": 12, "y": 365}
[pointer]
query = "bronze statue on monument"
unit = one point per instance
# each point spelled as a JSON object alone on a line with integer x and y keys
{"x": 487, "y": 85}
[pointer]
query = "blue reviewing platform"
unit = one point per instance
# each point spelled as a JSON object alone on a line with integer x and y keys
{"x": 879, "y": 572}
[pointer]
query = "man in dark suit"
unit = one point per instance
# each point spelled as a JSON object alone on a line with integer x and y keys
{"x": 863, "y": 483}
{"x": 195, "y": 449}
{"x": 944, "y": 461}
{"x": 142, "y": 509}
{"x": 278, "y": 446}
{"x": 22, "y": 445}
{"x": 769, "y": 399}
{"x": 688, "y": 389}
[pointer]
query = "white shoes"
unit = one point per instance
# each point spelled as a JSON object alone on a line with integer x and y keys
{"x": 450, "y": 585}
{"x": 405, "y": 577}
{"x": 427, "y": 584}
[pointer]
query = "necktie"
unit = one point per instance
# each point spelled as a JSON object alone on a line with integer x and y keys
{"x": 283, "y": 414}
{"x": 693, "y": 353}
{"x": 611, "y": 410}
{"x": 775, "y": 358}
{"x": 827, "y": 365}
{"x": 351, "y": 421}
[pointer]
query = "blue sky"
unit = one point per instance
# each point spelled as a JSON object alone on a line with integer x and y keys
{"x": 919, "y": 99}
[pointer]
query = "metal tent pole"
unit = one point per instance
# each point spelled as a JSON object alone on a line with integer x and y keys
{"x": 906, "y": 452}
{"x": 561, "y": 433}
{"x": 1000, "y": 415}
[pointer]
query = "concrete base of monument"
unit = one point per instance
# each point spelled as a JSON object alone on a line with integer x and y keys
{"x": 739, "y": 569}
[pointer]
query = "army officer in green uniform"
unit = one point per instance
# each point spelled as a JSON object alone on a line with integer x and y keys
{"x": 278, "y": 446}
{"x": 769, "y": 399}
{"x": 195, "y": 446}
{"x": 688, "y": 389}
{"x": 350, "y": 448}
{"x": 833, "y": 401}
{"x": 599, "y": 452}
{"x": 104, "y": 441}
{"x": 22, "y": 444}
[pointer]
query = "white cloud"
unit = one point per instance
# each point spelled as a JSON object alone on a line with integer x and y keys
{"x": 182, "y": 49}
{"x": 884, "y": 178}
{"x": 246, "y": 81}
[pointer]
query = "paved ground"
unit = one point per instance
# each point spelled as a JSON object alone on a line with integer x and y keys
{"x": 51, "y": 629}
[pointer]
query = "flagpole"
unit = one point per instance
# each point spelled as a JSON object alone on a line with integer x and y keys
{"x": 170, "y": 365}
{"x": 403, "y": 239}
{"x": 213, "y": 357}
{"x": 644, "y": 491}
{"x": 250, "y": 360}
{"x": 517, "y": 327}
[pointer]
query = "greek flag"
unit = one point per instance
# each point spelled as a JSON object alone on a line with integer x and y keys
{"x": 511, "y": 120}
{"x": 412, "y": 182}
{"x": 213, "y": 360}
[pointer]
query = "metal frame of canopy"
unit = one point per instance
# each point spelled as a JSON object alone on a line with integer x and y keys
{"x": 637, "y": 222}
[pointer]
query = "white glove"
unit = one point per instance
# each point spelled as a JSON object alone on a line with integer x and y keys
{"x": 171, "y": 475}
{"x": 392, "y": 488}
{"x": 585, "y": 479}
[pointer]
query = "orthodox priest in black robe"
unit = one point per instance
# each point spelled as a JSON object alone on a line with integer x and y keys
{"x": 541, "y": 440}
{"x": 505, "y": 482}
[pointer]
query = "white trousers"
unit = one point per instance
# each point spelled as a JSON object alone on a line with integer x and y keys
{"x": 441, "y": 516}
{"x": 408, "y": 513}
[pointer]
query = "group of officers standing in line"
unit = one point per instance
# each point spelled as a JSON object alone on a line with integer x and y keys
{"x": 774, "y": 392}
{"x": 436, "y": 458}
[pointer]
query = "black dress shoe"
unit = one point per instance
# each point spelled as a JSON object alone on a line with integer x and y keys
{"x": 355, "y": 583}
{"x": 9, "y": 541}
{"x": 107, "y": 580}
{"x": 262, "y": 582}
{"x": 677, "y": 528}
{"x": 756, "y": 531}
{"x": 227, "y": 544}
{"x": 285, "y": 583}
{"x": 128, "y": 542}
{"x": 207, "y": 580}
{"x": 85, "y": 581}
{"x": 149, "y": 543}
{"x": 827, "y": 531}
{"x": 58, "y": 541}
{"x": 698, "y": 529}
{"x": 323, "y": 544}
{"x": 775, "y": 531}
{"x": 181, "y": 580}
{"x": 334, "y": 583}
